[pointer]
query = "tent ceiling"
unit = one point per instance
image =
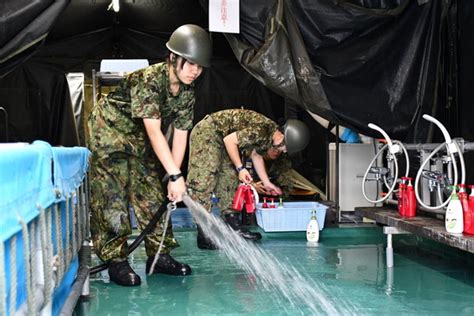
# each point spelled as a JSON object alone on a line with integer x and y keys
{"x": 159, "y": 16}
{"x": 380, "y": 61}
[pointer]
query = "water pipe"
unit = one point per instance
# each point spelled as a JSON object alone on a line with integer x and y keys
{"x": 393, "y": 148}
{"x": 451, "y": 148}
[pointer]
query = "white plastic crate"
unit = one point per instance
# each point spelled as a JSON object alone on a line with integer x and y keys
{"x": 293, "y": 216}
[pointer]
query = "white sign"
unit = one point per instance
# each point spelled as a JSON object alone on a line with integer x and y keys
{"x": 224, "y": 16}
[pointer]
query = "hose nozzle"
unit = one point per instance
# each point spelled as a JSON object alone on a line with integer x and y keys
{"x": 393, "y": 148}
{"x": 447, "y": 137}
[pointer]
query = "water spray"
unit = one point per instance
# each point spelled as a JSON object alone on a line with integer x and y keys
{"x": 288, "y": 287}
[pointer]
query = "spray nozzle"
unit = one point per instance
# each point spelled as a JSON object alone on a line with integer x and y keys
{"x": 393, "y": 148}
{"x": 451, "y": 146}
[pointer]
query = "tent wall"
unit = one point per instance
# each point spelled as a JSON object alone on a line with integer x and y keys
{"x": 353, "y": 62}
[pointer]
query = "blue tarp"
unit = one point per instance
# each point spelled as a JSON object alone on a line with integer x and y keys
{"x": 34, "y": 176}
{"x": 25, "y": 184}
{"x": 31, "y": 176}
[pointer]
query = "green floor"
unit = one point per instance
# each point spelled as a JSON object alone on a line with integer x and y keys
{"x": 349, "y": 263}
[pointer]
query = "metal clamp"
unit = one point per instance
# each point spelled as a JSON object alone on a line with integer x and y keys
{"x": 171, "y": 206}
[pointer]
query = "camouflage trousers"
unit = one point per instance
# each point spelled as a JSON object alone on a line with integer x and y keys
{"x": 210, "y": 168}
{"x": 119, "y": 183}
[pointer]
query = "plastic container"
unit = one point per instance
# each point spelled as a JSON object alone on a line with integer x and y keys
{"x": 469, "y": 214}
{"x": 293, "y": 216}
{"x": 464, "y": 199}
{"x": 312, "y": 231}
{"x": 410, "y": 200}
{"x": 401, "y": 196}
{"x": 454, "y": 215}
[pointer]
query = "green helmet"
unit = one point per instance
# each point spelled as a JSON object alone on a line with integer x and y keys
{"x": 193, "y": 43}
{"x": 296, "y": 135}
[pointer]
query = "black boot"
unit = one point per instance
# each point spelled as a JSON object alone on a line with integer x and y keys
{"x": 203, "y": 242}
{"x": 122, "y": 274}
{"x": 234, "y": 222}
{"x": 167, "y": 265}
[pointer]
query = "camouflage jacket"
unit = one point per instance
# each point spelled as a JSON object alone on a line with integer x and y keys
{"x": 117, "y": 122}
{"x": 254, "y": 130}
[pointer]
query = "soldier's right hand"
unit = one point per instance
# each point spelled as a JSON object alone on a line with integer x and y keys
{"x": 245, "y": 177}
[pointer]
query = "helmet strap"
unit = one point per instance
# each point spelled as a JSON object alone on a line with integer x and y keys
{"x": 173, "y": 61}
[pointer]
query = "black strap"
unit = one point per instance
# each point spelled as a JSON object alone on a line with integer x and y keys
{"x": 175, "y": 177}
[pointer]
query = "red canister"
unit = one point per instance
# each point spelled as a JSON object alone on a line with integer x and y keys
{"x": 410, "y": 207}
{"x": 249, "y": 200}
{"x": 468, "y": 213}
{"x": 401, "y": 195}
{"x": 239, "y": 197}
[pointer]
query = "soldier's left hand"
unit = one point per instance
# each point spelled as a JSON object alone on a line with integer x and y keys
{"x": 176, "y": 189}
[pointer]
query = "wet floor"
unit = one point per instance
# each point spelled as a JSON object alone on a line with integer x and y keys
{"x": 348, "y": 265}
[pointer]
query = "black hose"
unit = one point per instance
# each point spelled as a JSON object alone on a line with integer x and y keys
{"x": 151, "y": 225}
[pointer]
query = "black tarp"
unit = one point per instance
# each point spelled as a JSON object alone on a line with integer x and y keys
{"x": 38, "y": 102}
{"x": 25, "y": 25}
{"x": 353, "y": 62}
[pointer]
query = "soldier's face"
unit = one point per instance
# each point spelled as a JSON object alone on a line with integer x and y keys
{"x": 189, "y": 72}
{"x": 273, "y": 153}
{"x": 278, "y": 146}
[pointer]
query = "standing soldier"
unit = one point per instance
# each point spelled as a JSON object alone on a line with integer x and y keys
{"x": 215, "y": 163}
{"x": 127, "y": 135}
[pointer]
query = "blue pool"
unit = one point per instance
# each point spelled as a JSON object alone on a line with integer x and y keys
{"x": 348, "y": 263}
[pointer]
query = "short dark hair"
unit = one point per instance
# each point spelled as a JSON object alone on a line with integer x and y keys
{"x": 178, "y": 61}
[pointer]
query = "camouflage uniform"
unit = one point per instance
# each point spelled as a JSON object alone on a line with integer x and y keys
{"x": 210, "y": 168}
{"x": 125, "y": 171}
{"x": 279, "y": 172}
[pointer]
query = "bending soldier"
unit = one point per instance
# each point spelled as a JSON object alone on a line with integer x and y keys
{"x": 215, "y": 164}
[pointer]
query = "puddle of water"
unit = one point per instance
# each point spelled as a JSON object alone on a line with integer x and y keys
{"x": 280, "y": 280}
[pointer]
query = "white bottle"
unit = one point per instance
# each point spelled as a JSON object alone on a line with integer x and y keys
{"x": 453, "y": 220}
{"x": 312, "y": 231}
